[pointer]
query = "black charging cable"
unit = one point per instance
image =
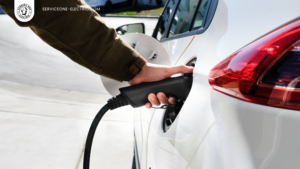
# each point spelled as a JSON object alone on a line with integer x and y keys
{"x": 137, "y": 96}
{"x": 112, "y": 103}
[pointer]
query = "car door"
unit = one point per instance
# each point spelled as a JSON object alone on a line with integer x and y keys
{"x": 174, "y": 48}
{"x": 143, "y": 116}
{"x": 190, "y": 18}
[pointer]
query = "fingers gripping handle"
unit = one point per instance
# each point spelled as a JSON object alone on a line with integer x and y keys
{"x": 137, "y": 96}
{"x": 178, "y": 87}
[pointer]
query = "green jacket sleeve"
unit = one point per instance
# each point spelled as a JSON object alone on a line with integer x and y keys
{"x": 80, "y": 35}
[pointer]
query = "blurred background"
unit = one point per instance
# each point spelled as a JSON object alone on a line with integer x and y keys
{"x": 1, "y": 11}
{"x": 128, "y": 7}
{"x": 47, "y": 102}
{"x": 125, "y": 7}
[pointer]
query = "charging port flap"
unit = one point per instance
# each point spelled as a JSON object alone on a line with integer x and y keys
{"x": 149, "y": 48}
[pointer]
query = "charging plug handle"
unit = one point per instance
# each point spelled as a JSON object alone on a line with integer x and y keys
{"x": 137, "y": 96}
{"x": 178, "y": 87}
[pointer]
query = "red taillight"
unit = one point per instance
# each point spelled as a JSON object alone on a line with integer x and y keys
{"x": 267, "y": 71}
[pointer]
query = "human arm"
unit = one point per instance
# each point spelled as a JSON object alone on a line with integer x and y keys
{"x": 80, "y": 35}
{"x": 84, "y": 38}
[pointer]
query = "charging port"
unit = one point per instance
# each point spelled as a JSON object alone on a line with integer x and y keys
{"x": 171, "y": 114}
{"x": 172, "y": 111}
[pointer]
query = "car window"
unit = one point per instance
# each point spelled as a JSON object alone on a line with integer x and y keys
{"x": 200, "y": 14}
{"x": 183, "y": 17}
{"x": 165, "y": 18}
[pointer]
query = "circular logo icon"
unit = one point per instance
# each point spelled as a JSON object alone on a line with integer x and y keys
{"x": 24, "y": 11}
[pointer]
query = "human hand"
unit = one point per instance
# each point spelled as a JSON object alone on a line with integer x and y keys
{"x": 151, "y": 73}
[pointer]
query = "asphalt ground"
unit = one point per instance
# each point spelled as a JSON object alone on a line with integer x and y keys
{"x": 47, "y": 103}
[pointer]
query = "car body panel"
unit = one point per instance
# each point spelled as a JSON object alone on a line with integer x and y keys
{"x": 193, "y": 139}
{"x": 146, "y": 118}
{"x": 247, "y": 135}
{"x": 213, "y": 130}
{"x": 145, "y": 45}
{"x": 177, "y": 47}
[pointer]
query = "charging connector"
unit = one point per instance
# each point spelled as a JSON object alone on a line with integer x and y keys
{"x": 116, "y": 102}
{"x": 137, "y": 96}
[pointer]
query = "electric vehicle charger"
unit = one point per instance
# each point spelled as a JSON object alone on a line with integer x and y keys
{"x": 137, "y": 96}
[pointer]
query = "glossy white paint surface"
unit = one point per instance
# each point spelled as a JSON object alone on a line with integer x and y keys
{"x": 163, "y": 148}
{"x": 145, "y": 45}
{"x": 249, "y": 136}
{"x": 215, "y": 131}
{"x": 176, "y": 48}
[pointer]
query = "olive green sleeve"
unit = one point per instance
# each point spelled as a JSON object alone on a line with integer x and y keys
{"x": 80, "y": 35}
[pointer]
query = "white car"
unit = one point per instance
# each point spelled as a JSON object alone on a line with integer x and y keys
{"x": 243, "y": 108}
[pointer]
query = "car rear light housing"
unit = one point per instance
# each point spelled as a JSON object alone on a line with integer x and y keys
{"x": 266, "y": 71}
